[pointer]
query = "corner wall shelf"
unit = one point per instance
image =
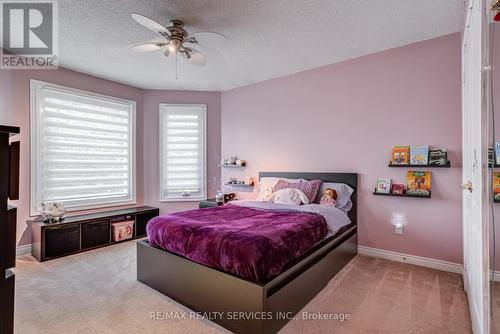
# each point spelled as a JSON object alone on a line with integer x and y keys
{"x": 239, "y": 185}
{"x": 233, "y": 166}
{"x": 448, "y": 165}
{"x": 402, "y": 195}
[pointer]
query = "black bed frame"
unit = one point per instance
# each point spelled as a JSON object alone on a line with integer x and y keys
{"x": 243, "y": 306}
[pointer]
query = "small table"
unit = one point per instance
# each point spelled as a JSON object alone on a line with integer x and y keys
{"x": 208, "y": 203}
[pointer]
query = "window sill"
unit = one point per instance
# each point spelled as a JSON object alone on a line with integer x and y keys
{"x": 90, "y": 207}
{"x": 192, "y": 199}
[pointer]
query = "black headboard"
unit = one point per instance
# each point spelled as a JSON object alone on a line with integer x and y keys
{"x": 351, "y": 179}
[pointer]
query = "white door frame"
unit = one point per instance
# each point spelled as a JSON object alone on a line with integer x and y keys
{"x": 476, "y": 204}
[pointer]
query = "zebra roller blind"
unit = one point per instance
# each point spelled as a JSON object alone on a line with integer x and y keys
{"x": 82, "y": 148}
{"x": 182, "y": 152}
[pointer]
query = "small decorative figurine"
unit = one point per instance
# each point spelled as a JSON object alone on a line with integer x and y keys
{"x": 219, "y": 197}
{"x": 229, "y": 197}
{"x": 53, "y": 212}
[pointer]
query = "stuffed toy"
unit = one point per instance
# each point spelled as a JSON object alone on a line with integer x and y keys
{"x": 329, "y": 197}
{"x": 53, "y": 211}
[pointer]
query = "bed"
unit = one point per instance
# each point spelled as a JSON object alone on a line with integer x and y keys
{"x": 251, "y": 295}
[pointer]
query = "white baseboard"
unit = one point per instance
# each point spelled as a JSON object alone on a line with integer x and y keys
{"x": 411, "y": 259}
{"x": 23, "y": 250}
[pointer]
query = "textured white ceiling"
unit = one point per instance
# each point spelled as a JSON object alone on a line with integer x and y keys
{"x": 266, "y": 38}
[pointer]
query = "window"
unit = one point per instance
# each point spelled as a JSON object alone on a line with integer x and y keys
{"x": 182, "y": 152}
{"x": 82, "y": 148}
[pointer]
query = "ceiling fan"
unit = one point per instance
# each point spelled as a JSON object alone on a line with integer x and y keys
{"x": 175, "y": 40}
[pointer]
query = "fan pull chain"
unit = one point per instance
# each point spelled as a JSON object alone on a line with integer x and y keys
{"x": 176, "y": 68}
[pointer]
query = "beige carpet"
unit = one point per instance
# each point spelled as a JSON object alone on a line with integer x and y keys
{"x": 96, "y": 292}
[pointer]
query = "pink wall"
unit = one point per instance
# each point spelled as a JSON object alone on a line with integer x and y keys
{"x": 14, "y": 110}
{"x": 345, "y": 117}
{"x": 341, "y": 117}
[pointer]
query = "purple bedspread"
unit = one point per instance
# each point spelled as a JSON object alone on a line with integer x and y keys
{"x": 249, "y": 243}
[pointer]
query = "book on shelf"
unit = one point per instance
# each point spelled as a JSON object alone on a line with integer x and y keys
{"x": 419, "y": 155}
{"x": 496, "y": 185}
{"x": 418, "y": 183}
{"x": 497, "y": 153}
{"x": 400, "y": 155}
{"x": 383, "y": 185}
{"x": 438, "y": 157}
{"x": 398, "y": 189}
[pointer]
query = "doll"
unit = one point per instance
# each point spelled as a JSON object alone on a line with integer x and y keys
{"x": 329, "y": 197}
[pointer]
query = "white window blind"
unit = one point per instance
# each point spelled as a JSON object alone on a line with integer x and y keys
{"x": 182, "y": 152}
{"x": 82, "y": 148}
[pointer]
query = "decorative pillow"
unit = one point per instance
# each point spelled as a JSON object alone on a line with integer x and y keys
{"x": 310, "y": 188}
{"x": 289, "y": 196}
{"x": 266, "y": 186}
{"x": 347, "y": 207}
{"x": 344, "y": 193}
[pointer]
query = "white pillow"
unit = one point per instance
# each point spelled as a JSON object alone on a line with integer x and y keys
{"x": 266, "y": 186}
{"x": 289, "y": 196}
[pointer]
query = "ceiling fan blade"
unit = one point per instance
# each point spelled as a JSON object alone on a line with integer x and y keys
{"x": 149, "y": 46}
{"x": 209, "y": 39}
{"x": 197, "y": 58}
{"x": 148, "y": 23}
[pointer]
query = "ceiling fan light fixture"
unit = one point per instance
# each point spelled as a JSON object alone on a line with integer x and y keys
{"x": 174, "y": 45}
{"x": 175, "y": 40}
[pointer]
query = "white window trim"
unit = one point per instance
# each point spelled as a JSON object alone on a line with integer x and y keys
{"x": 35, "y": 136}
{"x": 162, "y": 152}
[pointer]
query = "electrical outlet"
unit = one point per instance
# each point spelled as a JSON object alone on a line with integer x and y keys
{"x": 398, "y": 228}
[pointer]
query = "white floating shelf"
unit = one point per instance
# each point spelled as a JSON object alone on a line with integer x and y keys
{"x": 239, "y": 185}
{"x": 233, "y": 166}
